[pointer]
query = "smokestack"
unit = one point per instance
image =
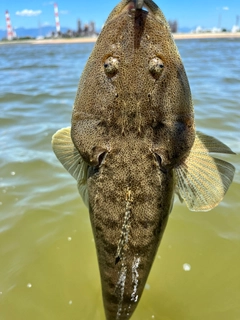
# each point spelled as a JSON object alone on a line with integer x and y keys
{"x": 79, "y": 29}
{"x": 56, "y": 18}
{"x": 9, "y": 26}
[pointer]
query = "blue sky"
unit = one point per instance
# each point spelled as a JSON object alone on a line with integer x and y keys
{"x": 193, "y": 13}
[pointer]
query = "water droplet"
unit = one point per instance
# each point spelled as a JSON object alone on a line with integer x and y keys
{"x": 153, "y": 316}
{"x": 186, "y": 267}
{"x": 29, "y": 285}
{"x": 13, "y": 173}
{"x": 147, "y": 286}
{"x": 69, "y": 238}
{"x": 70, "y": 302}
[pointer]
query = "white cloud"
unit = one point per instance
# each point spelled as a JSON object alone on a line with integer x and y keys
{"x": 50, "y": 3}
{"x": 45, "y": 23}
{"x": 64, "y": 12}
{"x": 225, "y": 8}
{"x": 28, "y": 13}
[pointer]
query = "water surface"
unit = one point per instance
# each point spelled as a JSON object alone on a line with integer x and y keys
{"x": 48, "y": 265}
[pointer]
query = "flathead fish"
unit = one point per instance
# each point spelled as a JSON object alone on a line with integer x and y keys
{"x": 132, "y": 145}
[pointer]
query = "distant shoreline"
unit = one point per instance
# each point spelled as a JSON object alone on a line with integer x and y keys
{"x": 177, "y": 36}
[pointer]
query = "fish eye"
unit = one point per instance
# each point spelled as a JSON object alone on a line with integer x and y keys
{"x": 111, "y": 65}
{"x": 156, "y": 66}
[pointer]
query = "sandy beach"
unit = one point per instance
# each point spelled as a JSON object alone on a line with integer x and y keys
{"x": 220, "y": 35}
{"x": 177, "y": 36}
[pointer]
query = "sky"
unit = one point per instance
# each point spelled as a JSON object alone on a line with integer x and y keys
{"x": 33, "y": 13}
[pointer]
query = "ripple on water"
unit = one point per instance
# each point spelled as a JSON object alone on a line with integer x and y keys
{"x": 44, "y": 264}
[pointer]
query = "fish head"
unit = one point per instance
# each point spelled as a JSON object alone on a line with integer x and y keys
{"x": 136, "y": 82}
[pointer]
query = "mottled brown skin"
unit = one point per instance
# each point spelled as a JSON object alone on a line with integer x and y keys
{"x": 132, "y": 122}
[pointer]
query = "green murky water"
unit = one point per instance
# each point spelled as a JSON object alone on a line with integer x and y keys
{"x": 48, "y": 265}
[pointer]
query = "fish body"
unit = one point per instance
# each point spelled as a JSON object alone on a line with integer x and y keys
{"x": 132, "y": 145}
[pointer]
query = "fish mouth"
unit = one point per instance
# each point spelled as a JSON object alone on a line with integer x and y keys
{"x": 133, "y": 5}
{"x": 138, "y": 4}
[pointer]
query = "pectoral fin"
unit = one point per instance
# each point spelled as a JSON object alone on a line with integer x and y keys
{"x": 202, "y": 180}
{"x": 70, "y": 158}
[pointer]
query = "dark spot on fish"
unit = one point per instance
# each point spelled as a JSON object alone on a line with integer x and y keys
{"x": 92, "y": 171}
{"x": 157, "y": 125}
{"x": 117, "y": 260}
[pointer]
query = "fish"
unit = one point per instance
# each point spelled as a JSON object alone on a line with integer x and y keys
{"x": 132, "y": 146}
